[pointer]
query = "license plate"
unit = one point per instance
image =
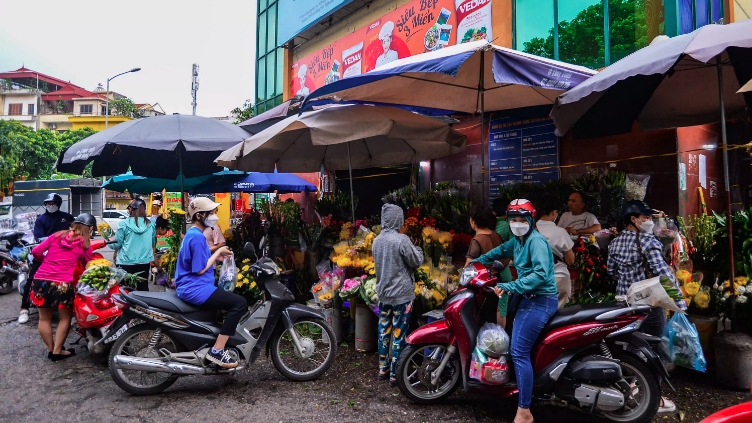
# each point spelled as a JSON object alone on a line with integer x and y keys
{"x": 121, "y": 331}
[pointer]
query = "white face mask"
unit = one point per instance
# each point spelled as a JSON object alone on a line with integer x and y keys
{"x": 52, "y": 208}
{"x": 519, "y": 228}
{"x": 211, "y": 220}
{"x": 647, "y": 226}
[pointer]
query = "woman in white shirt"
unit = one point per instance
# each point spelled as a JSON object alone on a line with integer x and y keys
{"x": 561, "y": 245}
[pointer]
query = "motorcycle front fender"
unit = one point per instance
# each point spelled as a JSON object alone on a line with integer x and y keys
{"x": 437, "y": 332}
{"x": 298, "y": 311}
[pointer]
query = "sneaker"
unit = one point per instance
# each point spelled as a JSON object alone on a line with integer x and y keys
{"x": 222, "y": 358}
{"x": 23, "y": 316}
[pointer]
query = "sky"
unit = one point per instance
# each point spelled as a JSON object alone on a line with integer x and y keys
{"x": 88, "y": 41}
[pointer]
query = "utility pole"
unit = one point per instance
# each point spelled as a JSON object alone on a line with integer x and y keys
{"x": 194, "y": 86}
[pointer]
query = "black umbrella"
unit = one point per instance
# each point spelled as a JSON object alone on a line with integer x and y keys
{"x": 258, "y": 123}
{"x": 156, "y": 147}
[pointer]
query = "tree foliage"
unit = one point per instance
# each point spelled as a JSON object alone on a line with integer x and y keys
{"x": 32, "y": 154}
{"x": 125, "y": 107}
{"x": 242, "y": 113}
{"x": 581, "y": 40}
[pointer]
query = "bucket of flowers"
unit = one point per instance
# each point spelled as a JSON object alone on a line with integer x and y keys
{"x": 246, "y": 285}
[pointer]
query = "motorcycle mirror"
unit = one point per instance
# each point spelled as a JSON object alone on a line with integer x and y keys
{"x": 498, "y": 266}
{"x": 249, "y": 249}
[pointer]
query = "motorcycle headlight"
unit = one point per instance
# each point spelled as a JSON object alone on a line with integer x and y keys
{"x": 468, "y": 273}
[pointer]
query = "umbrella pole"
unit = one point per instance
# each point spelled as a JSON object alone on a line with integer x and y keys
{"x": 481, "y": 96}
{"x": 352, "y": 194}
{"x": 182, "y": 186}
{"x": 719, "y": 67}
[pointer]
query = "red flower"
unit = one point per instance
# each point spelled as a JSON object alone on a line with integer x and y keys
{"x": 587, "y": 270}
{"x": 604, "y": 267}
{"x": 597, "y": 275}
{"x": 590, "y": 262}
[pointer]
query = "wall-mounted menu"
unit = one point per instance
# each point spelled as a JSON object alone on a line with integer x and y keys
{"x": 522, "y": 150}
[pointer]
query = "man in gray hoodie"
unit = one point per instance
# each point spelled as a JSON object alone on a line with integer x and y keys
{"x": 396, "y": 259}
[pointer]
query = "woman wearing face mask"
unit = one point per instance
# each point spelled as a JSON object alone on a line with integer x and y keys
{"x": 194, "y": 278}
{"x": 536, "y": 284}
{"x": 134, "y": 243}
{"x": 636, "y": 255}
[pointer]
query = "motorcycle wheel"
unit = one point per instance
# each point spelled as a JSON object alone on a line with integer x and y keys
{"x": 135, "y": 342}
{"x": 319, "y": 344}
{"x": 646, "y": 395}
{"x": 6, "y": 284}
{"x": 415, "y": 364}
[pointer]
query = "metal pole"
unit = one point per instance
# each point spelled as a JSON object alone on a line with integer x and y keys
{"x": 182, "y": 187}
{"x": 352, "y": 194}
{"x": 481, "y": 96}
{"x": 719, "y": 67}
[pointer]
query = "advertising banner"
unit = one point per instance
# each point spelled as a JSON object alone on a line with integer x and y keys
{"x": 301, "y": 14}
{"x": 522, "y": 150}
{"x": 417, "y": 27}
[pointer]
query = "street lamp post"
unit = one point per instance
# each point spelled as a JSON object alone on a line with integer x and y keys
{"x": 107, "y": 97}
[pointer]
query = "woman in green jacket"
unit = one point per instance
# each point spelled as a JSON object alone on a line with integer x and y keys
{"x": 537, "y": 286}
{"x": 134, "y": 243}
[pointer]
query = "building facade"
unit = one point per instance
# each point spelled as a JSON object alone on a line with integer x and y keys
{"x": 301, "y": 48}
{"x": 21, "y": 104}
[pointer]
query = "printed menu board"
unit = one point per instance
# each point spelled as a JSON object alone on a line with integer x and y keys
{"x": 522, "y": 150}
{"x": 417, "y": 27}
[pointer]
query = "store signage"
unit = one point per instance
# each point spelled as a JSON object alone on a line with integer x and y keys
{"x": 295, "y": 16}
{"x": 172, "y": 200}
{"x": 522, "y": 150}
{"x": 417, "y": 27}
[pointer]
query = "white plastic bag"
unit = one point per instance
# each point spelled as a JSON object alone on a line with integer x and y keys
{"x": 493, "y": 340}
{"x": 636, "y": 187}
{"x": 228, "y": 274}
{"x": 651, "y": 292}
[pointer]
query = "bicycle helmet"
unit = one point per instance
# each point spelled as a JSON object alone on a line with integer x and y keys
{"x": 86, "y": 219}
{"x": 636, "y": 207}
{"x": 521, "y": 207}
{"x": 53, "y": 198}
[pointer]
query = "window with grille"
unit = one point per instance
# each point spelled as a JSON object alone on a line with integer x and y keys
{"x": 15, "y": 109}
{"x": 86, "y": 109}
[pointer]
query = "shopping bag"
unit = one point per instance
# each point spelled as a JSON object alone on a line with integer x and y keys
{"x": 651, "y": 292}
{"x": 680, "y": 343}
{"x": 493, "y": 340}
{"x": 228, "y": 274}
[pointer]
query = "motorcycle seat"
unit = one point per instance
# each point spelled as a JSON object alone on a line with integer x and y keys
{"x": 577, "y": 314}
{"x": 168, "y": 301}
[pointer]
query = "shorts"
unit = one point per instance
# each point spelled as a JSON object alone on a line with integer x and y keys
{"x": 49, "y": 294}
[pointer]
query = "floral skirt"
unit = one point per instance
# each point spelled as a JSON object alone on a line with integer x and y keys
{"x": 49, "y": 294}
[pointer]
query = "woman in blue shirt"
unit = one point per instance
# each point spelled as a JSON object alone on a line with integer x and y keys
{"x": 194, "y": 278}
{"x": 537, "y": 286}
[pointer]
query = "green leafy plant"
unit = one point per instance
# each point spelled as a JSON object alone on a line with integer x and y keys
{"x": 273, "y": 213}
{"x": 742, "y": 239}
{"x": 700, "y": 230}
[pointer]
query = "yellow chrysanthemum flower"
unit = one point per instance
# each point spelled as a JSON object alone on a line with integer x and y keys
{"x": 702, "y": 300}
{"x": 692, "y": 288}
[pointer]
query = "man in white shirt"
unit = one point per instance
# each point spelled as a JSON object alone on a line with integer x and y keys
{"x": 385, "y": 35}
{"x": 561, "y": 245}
{"x": 577, "y": 221}
{"x": 302, "y": 76}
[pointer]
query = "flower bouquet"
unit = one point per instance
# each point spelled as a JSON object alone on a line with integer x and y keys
{"x": 326, "y": 288}
{"x": 105, "y": 230}
{"x": 351, "y": 288}
{"x": 246, "y": 285}
{"x": 368, "y": 291}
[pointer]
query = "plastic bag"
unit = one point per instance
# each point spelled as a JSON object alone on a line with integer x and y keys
{"x": 101, "y": 278}
{"x": 651, "y": 292}
{"x": 636, "y": 187}
{"x": 324, "y": 267}
{"x": 228, "y": 274}
{"x": 489, "y": 370}
{"x": 680, "y": 343}
{"x": 493, "y": 340}
{"x": 90, "y": 291}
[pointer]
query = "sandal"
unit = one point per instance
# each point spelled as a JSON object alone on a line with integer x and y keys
{"x": 58, "y": 357}
{"x": 383, "y": 376}
{"x": 667, "y": 406}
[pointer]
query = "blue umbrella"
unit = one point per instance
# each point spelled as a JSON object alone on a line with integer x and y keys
{"x": 282, "y": 183}
{"x": 141, "y": 184}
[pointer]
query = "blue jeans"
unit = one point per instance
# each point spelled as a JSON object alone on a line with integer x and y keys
{"x": 532, "y": 316}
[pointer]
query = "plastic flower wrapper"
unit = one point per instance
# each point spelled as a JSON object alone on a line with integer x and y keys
{"x": 368, "y": 291}
{"x": 351, "y": 287}
{"x": 105, "y": 229}
{"x": 99, "y": 279}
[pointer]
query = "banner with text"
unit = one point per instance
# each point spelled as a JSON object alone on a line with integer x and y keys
{"x": 418, "y": 27}
{"x": 522, "y": 150}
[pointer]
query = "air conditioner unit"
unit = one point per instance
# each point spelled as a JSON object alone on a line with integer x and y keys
{"x": 53, "y": 126}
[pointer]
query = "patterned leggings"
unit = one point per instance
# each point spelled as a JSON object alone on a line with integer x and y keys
{"x": 392, "y": 325}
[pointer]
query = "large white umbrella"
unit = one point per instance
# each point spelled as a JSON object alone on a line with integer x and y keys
{"x": 345, "y": 137}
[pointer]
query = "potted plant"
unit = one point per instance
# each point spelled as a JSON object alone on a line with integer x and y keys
{"x": 700, "y": 231}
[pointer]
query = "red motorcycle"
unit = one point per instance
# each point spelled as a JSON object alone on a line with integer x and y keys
{"x": 93, "y": 315}
{"x": 591, "y": 357}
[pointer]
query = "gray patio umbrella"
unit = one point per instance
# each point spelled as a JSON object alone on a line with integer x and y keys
{"x": 258, "y": 123}
{"x": 345, "y": 137}
{"x": 687, "y": 80}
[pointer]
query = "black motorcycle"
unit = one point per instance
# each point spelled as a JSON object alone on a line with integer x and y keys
{"x": 14, "y": 265}
{"x": 165, "y": 338}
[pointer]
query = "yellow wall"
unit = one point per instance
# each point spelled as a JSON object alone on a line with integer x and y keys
{"x": 223, "y": 211}
{"x": 740, "y": 10}
{"x": 94, "y": 122}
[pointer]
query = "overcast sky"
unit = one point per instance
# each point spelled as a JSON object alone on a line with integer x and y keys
{"x": 88, "y": 41}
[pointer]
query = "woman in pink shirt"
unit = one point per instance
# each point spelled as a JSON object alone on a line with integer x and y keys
{"x": 53, "y": 287}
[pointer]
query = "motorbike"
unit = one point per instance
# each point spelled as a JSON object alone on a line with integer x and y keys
{"x": 168, "y": 338}
{"x": 14, "y": 259}
{"x": 94, "y": 314}
{"x": 591, "y": 358}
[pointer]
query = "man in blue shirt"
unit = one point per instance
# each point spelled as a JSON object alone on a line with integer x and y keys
{"x": 194, "y": 278}
{"x": 51, "y": 221}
